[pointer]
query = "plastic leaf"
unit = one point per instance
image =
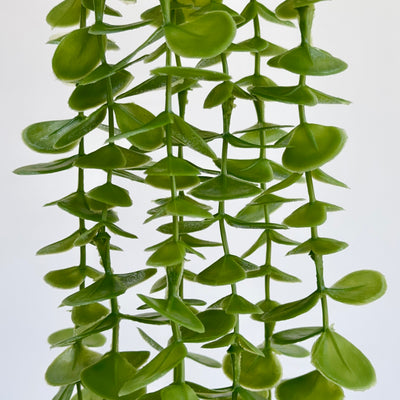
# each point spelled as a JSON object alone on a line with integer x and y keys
{"x": 256, "y": 372}
{"x": 219, "y": 94}
{"x": 311, "y": 386}
{"x": 67, "y": 13}
{"x": 110, "y": 194}
{"x": 226, "y": 270}
{"x": 269, "y": 16}
{"x": 178, "y": 392}
{"x": 359, "y": 287}
{"x": 101, "y": 28}
{"x": 173, "y": 166}
{"x": 171, "y": 253}
{"x": 186, "y": 207}
{"x": 106, "y": 377}
{"x": 235, "y": 304}
{"x": 320, "y": 246}
{"x": 312, "y": 146}
{"x": 166, "y": 360}
{"x": 96, "y": 340}
{"x": 290, "y": 350}
{"x": 59, "y": 246}
{"x": 296, "y": 335}
{"x": 321, "y": 176}
{"x": 64, "y": 393}
{"x": 300, "y": 94}
{"x": 308, "y": 215}
{"x": 202, "y": 37}
{"x": 46, "y": 168}
{"x": 77, "y": 54}
{"x": 67, "y": 367}
{"x": 288, "y": 9}
{"x": 224, "y": 188}
{"x": 292, "y": 309}
{"x": 175, "y": 310}
{"x": 89, "y": 313}
{"x": 191, "y": 73}
{"x": 216, "y": 324}
{"x": 308, "y": 60}
{"x": 67, "y": 278}
{"x": 187, "y": 226}
{"x": 204, "y": 360}
{"x": 94, "y": 94}
{"x": 341, "y": 362}
{"x": 131, "y": 116}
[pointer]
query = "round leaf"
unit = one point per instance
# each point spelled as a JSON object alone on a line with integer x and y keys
{"x": 202, "y": 37}
{"x": 66, "y": 278}
{"x": 111, "y": 194}
{"x": 67, "y": 13}
{"x": 88, "y": 313}
{"x": 77, "y": 54}
{"x": 359, "y": 287}
{"x": 311, "y": 146}
{"x": 308, "y": 215}
{"x": 178, "y": 392}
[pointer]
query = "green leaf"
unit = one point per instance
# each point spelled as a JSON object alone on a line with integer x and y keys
{"x": 186, "y": 207}
{"x": 164, "y": 182}
{"x": 312, "y": 146}
{"x": 274, "y": 273}
{"x": 67, "y": 367}
{"x": 158, "y": 122}
{"x": 118, "y": 231}
{"x": 101, "y": 28}
{"x": 106, "y": 377}
{"x": 89, "y": 313}
{"x": 187, "y": 135}
{"x": 292, "y": 309}
{"x": 87, "y": 125}
{"x": 95, "y": 94}
{"x": 66, "y": 278}
{"x": 110, "y": 194}
{"x": 171, "y": 253}
{"x": 42, "y": 136}
{"x": 235, "y": 304}
{"x": 187, "y": 226}
{"x": 290, "y": 350}
{"x": 288, "y": 9}
{"x": 166, "y": 360}
{"x": 191, "y": 73}
{"x": 267, "y": 198}
{"x": 196, "y": 242}
{"x": 256, "y": 371}
{"x": 47, "y": 168}
{"x": 87, "y": 395}
{"x": 150, "y": 341}
{"x": 176, "y": 310}
{"x": 299, "y": 94}
{"x": 308, "y": 60}
{"x": 63, "y": 335}
{"x": 173, "y": 166}
{"x": 226, "y": 270}
{"x": 131, "y": 116}
{"x": 238, "y": 223}
{"x": 67, "y": 13}
{"x": 216, "y": 324}
{"x": 320, "y": 246}
{"x": 204, "y": 360}
{"x": 202, "y": 37}
{"x": 269, "y": 16}
{"x": 219, "y": 94}
{"x": 76, "y": 56}
{"x": 286, "y": 182}
{"x": 180, "y": 391}
{"x": 341, "y": 362}
{"x": 359, "y": 287}
{"x": 281, "y": 239}
{"x": 59, "y": 246}
{"x": 253, "y": 170}
{"x": 224, "y": 187}
{"x": 296, "y": 335}
{"x": 308, "y": 215}
{"x": 321, "y": 176}
{"x": 311, "y": 386}
{"x": 256, "y": 81}
{"x": 107, "y": 287}
{"x": 64, "y": 393}
{"x": 89, "y": 4}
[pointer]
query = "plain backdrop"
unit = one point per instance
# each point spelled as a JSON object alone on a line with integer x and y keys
{"x": 365, "y": 34}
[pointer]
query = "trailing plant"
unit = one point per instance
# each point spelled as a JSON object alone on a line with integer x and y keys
{"x": 204, "y": 184}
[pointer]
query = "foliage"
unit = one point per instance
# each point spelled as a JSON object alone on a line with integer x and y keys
{"x": 196, "y": 199}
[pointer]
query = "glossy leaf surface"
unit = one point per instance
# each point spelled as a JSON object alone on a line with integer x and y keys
{"x": 110, "y": 194}
{"x": 171, "y": 253}
{"x": 191, "y": 73}
{"x": 66, "y": 278}
{"x": 296, "y": 335}
{"x": 89, "y": 313}
{"x": 67, "y": 13}
{"x": 308, "y": 215}
{"x": 341, "y": 362}
{"x": 202, "y": 37}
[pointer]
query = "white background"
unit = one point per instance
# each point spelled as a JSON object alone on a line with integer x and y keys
{"x": 363, "y": 33}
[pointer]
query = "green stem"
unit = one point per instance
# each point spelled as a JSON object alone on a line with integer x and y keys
{"x": 79, "y": 391}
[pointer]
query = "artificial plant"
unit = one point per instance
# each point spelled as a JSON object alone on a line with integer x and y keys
{"x": 200, "y": 183}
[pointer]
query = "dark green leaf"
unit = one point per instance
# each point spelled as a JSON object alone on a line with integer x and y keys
{"x": 66, "y": 278}
{"x": 180, "y": 391}
{"x": 219, "y": 94}
{"x": 204, "y": 360}
{"x": 296, "y": 335}
{"x": 196, "y": 242}
{"x": 110, "y": 194}
{"x": 64, "y": 393}
{"x": 59, "y": 246}
{"x": 238, "y": 223}
{"x": 191, "y": 73}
